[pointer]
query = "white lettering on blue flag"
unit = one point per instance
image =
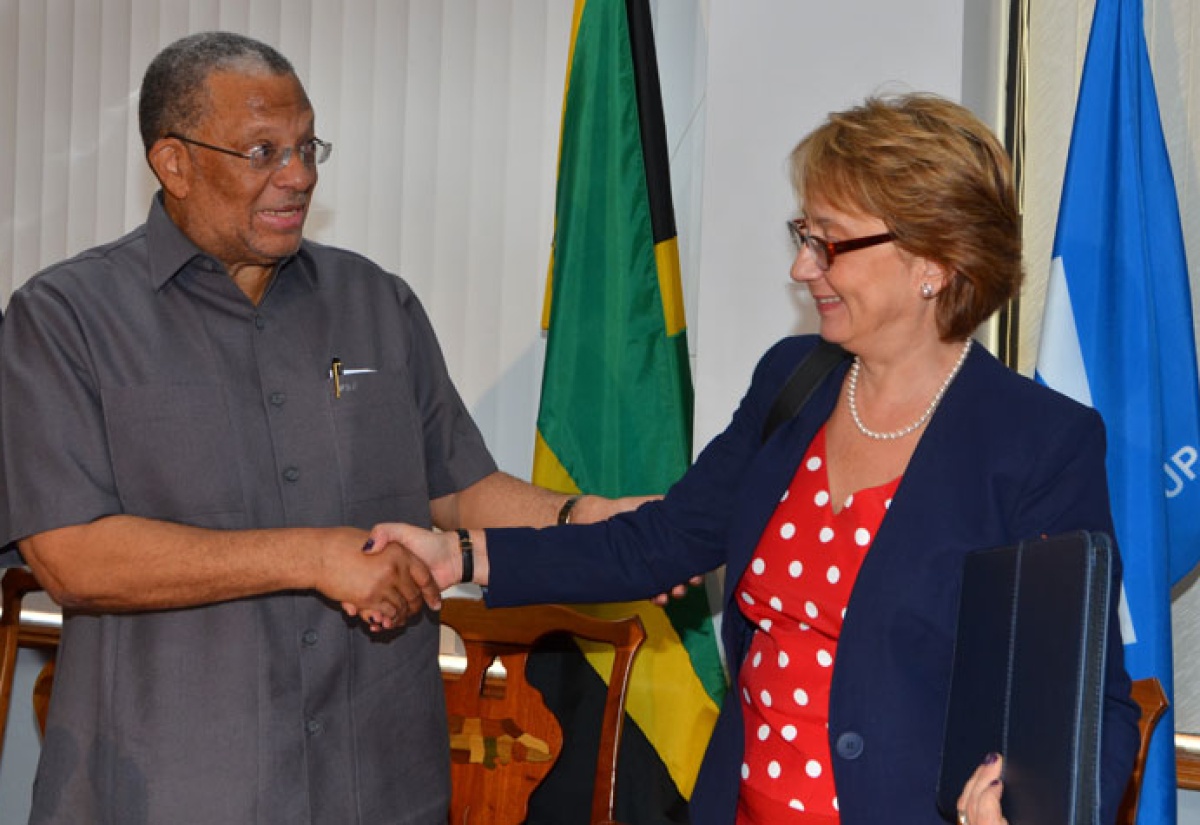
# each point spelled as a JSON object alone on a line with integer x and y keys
{"x": 1180, "y": 470}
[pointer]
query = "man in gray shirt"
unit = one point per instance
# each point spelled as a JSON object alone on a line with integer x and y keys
{"x": 198, "y": 424}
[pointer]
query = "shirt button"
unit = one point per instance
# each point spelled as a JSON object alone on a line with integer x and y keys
{"x": 309, "y": 637}
{"x": 259, "y": 323}
{"x": 850, "y": 745}
{"x": 291, "y": 474}
{"x": 313, "y": 726}
{"x": 277, "y": 399}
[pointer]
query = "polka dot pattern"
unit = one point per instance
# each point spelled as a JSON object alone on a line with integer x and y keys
{"x": 798, "y": 609}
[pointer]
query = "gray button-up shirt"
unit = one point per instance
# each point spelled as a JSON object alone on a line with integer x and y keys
{"x": 137, "y": 378}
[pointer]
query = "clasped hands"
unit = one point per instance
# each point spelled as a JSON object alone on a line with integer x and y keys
{"x": 411, "y": 567}
{"x": 385, "y": 582}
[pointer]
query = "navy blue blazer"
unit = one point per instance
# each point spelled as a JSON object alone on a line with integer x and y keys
{"x": 1002, "y": 459}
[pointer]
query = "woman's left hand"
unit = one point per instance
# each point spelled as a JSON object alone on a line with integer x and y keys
{"x": 979, "y": 803}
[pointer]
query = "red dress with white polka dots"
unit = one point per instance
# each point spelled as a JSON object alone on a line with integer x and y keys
{"x": 796, "y": 590}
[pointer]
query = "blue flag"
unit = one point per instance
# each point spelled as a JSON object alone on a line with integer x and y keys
{"x": 1117, "y": 335}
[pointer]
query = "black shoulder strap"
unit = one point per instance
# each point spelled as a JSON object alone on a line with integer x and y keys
{"x": 799, "y": 387}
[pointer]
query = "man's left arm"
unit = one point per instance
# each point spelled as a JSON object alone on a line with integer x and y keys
{"x": 502, "y": 500}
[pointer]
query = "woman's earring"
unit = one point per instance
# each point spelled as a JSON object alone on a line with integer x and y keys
{"x": 927, "y": 290}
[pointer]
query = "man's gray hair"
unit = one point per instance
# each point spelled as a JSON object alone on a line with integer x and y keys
{"x": 174, "y": 95}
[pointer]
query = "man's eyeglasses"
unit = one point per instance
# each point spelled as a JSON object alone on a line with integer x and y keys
{"x": 268, "y": 156}
{"x": 824, "y": 252}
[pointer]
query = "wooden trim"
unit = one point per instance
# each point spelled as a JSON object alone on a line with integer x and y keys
{"x": 1187, "y": 769}
{"x": 38, "y": 636}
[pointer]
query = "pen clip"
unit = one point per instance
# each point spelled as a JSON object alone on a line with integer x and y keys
{"x": 335, "y": 370}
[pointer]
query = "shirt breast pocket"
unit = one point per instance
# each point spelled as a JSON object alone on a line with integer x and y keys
{"x": 173, "y": 453}
{"x": 381, "y": 454}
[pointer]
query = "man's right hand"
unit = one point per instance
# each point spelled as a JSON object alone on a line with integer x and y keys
{"x": 384, "y": 584}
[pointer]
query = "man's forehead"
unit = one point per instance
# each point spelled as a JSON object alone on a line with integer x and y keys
{"x": 256, "y": 92}
{"x": 250, "y": 78}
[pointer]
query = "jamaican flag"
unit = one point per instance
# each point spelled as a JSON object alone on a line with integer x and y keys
{"x": 616, "y": 404}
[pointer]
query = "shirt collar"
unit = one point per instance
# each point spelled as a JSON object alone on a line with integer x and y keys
{"x": 171, "y": 251}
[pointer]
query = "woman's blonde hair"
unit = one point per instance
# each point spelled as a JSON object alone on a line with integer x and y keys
{"x": 942, "y": 183}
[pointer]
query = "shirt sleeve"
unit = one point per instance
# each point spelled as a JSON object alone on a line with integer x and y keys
{"x": 455, "y": 454}
{"x": 55, "y": 466}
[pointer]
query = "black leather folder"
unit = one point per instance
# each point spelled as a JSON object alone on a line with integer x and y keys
{"x": 1028, "y": 677}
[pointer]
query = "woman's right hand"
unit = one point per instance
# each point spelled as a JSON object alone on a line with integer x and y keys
{"x": 979, "y": 803}
{"x": 440, "y": 551}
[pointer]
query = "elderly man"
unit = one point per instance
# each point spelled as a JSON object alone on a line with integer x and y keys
{"x": 199, "y": 422}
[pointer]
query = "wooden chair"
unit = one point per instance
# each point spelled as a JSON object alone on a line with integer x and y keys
{"x": 1148, "y": 693}
{"x": 16, "y": 584}
{"x": 503, "y": 739}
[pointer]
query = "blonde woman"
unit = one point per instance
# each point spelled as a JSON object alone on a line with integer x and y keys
{"x": 843, "y": 534}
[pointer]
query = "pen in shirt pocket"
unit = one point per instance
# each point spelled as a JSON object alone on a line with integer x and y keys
{"x": 335, "y": 372}
{"x": 338, "y": 374}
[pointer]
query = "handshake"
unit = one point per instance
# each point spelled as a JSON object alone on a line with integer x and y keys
{"x": 400, "y": 570}
{"x": 403, "y": 569}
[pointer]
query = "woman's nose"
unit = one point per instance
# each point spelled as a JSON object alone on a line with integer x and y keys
{"x": 804, "y": 266}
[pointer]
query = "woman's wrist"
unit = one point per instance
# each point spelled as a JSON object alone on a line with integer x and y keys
{"x": 466, "y": 555}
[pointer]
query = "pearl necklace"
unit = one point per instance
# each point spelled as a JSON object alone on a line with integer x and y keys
{"x": 852, "y": 385}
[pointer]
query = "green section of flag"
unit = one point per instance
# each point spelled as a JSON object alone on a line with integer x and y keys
{"x": 616, "y": 404}
{"x": 616, "y": 393}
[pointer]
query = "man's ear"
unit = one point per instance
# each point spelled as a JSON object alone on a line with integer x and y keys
{"x": 172, "y": 166}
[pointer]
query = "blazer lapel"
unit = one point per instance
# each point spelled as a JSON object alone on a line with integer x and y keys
{"x": 770, "y": 473}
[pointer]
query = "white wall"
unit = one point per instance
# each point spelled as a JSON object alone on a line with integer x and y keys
{"x": 775, "y": 70}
